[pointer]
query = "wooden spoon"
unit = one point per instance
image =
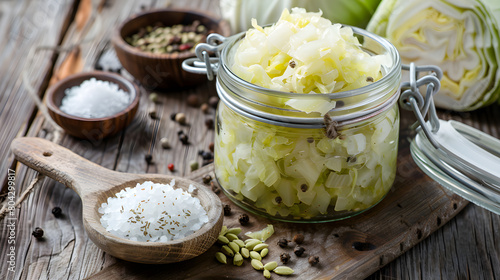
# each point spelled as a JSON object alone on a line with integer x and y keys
{"x": 94, "y": 184}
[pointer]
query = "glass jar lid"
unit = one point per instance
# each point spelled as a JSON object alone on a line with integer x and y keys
{"x": 457, "y": 156}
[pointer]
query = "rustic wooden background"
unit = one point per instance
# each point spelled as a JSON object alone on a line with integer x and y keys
{"x": 466, "y": 247}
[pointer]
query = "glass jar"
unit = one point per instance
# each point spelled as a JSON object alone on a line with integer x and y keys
{"x": 292, "y": 166}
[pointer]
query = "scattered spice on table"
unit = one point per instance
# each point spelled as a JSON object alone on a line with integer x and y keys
{"x": 165, "y": 144}
{"x": 209, "y": 123}
{"x": 152, "y": 114}
{"x": 152, "y": 212}
{"x": 205, "y": 108}
{"x": 283, "y": 242}
{"x": 298, "y": 238}
{"x": 171, "y": 166}
{"x": 215, "y": 188}
{"x": 94, "y": 99}
{"x": 299, "y": 250}
{"x": 172, "y": 116}
{"x": 227, "y": 210}
{"x": 37, "y": 233}
{"x": 284, "y": 258}
{"x": 57, "y": 211}
{"x": 313, "y": 260}
{"x": 244, "y": 219}
{"x": 153, "y": 97}
{"x": 213, "y": 101}
{"x": 194, "y": 165}
{"x": 180, "y": 118}
{"x": 207, "y": 178}
{"x": 193, "y": 100}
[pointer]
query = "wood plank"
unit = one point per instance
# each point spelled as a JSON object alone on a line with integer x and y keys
{"x": 467, "y": 246}
{"x": 23, "y": 26}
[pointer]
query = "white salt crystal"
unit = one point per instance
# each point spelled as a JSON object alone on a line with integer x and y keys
{"x": 94, "y": 99}
{"x": 153, "y": 212}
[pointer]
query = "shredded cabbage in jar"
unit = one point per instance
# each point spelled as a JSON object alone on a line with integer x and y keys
{"x": 305, "y": 53}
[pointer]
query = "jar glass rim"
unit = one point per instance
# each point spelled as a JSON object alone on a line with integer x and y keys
{"x": 389, "y": 48}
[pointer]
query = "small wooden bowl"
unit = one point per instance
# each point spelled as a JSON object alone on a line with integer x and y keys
{"x": 87, "y": 128}
{"x": 161, "y": 71}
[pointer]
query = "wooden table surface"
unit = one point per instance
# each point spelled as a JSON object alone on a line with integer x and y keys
{"x": 468, "y": 246}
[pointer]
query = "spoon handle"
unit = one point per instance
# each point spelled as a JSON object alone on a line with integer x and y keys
{"x": 62, "y": 165}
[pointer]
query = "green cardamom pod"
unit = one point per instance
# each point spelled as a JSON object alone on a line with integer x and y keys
{"x": 222, "y": 239}
{"x": 234, "y": 231}
{"x": 271, "y": 265}
{"x": 239, "y": 242}
{"x": 238, "y": 259}
{"x": 267, "y": 274}
{"x": 245, "y": 253}
{"x": 264, "y": 252}
{"x": 223, "y": 230}
{"x": 257, "y": 265}
{"x": 283, "y": 270}
{"x": 221, "y": 257}
{"x": 255, "y": 255}
{"x": 227, "y": 251}
{"x": 252, "y": 240}
{"x": 231, "y": 236}
{"x": 252, "y": 244}
{"x": 234, "y": 246}
{"x": 259, "y": 247}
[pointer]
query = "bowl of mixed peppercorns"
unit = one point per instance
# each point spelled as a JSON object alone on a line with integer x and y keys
{"x": 152, "y": 45}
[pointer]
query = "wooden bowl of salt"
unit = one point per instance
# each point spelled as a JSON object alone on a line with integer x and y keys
{"x": 93, "y": 105}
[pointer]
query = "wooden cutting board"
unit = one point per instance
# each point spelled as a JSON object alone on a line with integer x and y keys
{"x": 354, "y": 248}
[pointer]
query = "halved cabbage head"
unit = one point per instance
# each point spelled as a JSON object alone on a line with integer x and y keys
{"x": 460, "y": 36}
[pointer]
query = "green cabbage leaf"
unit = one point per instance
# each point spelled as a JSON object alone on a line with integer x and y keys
{"x": 460, "y": 36}
{"x": 239, "y": 13}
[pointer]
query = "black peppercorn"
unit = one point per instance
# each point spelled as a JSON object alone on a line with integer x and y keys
{"x": 283, "y": 242}
{"x": 207, "y": 178}
{"x": 244, "y": 219}
{"x": 227, "y": 210}
{"x": 213, "y": 101}
{"x": 148, "y": 158}
{"x": 207, "y": 155}
{"x": 298, "y": 238}
{"x": 172, "y": 116}
{"x": 215, "y": 188}
{"x": 209, "y": 123}
{"x": 303, "y": 187}
{"x": 284, "y": 257}
{"x": 184, "y": 138}
{"x": 313, "y": 260}
{"x": 278, "y": 199}
{"x": 57, "y": 212}
{"x": 298, "y": 251}
{"x": 37, "y": 233}
{"x": 193, "y": 100}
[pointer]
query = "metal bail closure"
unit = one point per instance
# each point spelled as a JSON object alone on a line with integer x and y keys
{"x": 459, "y": 157}
{"x": 203, "y": 63}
